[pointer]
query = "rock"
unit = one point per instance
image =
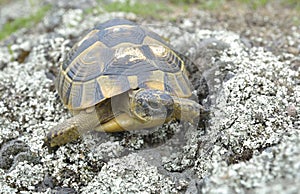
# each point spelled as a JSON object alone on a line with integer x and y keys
{"x": 13, "y": 152}
{"x": 129, "y": 174}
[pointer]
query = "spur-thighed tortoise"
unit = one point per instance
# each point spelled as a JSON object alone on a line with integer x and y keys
{"x": 121, "y": 76}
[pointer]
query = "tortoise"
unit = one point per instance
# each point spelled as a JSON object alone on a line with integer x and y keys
{"x": 122, "y": 76}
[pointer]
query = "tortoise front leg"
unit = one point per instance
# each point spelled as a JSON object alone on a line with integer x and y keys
{"x": 188, "y": 110}
{"x": 72, "y": 128}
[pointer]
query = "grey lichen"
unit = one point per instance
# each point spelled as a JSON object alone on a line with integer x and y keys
{"x": 130, "y": 174}
{"x": 250, "y": 113}
{"x": 25, "y": 176}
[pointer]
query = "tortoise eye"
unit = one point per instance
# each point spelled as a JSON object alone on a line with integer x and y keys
{"x": 154, "y": 105}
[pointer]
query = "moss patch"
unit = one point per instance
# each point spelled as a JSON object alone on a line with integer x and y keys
{"x": 2, "y": 2}
{"x": 149, "y": 9}
{"x": 23, "y": 22}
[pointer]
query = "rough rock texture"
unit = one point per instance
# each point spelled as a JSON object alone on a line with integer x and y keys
{"x": 250, "y": 142}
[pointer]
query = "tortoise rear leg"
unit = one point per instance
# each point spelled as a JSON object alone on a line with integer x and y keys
{"x": 71, "y": 128}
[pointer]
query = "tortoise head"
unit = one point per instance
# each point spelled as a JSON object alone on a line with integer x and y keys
{"x": 148, "y": 105}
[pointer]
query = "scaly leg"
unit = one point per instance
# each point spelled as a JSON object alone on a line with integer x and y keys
{"x": 188, "y": 110}
{"x": 72, "y": 128}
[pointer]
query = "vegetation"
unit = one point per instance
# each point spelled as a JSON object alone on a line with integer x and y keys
{"x": 24, "y": 22}
{"x": 292, "y": 3}
{"x": 261, "y": 3}
{"x": 154, "y": 9}
{"x": 2, "y": 2}
{"x": 145, "y": 9}
{"x": 254, "y": 4}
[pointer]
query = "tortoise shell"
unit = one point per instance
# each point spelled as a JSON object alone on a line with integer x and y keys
{"x": 115, "y": 57}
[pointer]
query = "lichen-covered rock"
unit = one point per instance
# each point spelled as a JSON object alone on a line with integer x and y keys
{"x": 130, "y": 174}
{"x": 250, "y": 120}
{"x": 13, "y": 152}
